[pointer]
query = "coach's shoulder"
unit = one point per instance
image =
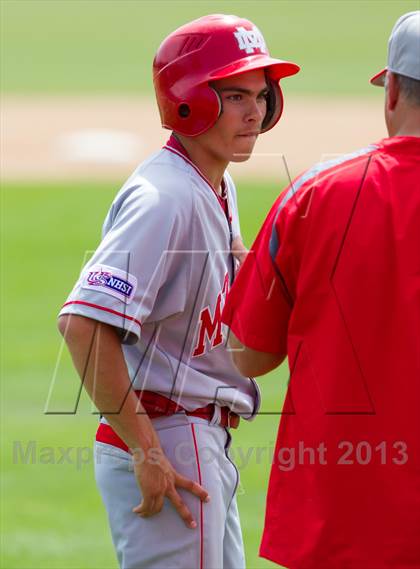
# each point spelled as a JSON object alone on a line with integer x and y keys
{"x": 340, "y": 165}
{"x": 325, "y": 177}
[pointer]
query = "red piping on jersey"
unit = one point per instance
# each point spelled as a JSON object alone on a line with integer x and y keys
{"x": 174, "y": 146}
{"x": 175, "y": 143}
{"x": 201, "y": 503}
{"x": 103, "y": 308}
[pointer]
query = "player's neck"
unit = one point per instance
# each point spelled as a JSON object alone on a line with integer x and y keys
{"x": 209, "y": 164}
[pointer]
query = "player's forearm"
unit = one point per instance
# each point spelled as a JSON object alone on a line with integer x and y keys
{"x": 98, "y": 358}
{"x": 252, "y": 363}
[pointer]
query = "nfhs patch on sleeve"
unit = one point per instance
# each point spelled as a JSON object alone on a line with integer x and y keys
{"x": 110, "y": 280}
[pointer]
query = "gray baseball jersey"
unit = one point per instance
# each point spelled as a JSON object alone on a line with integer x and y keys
{"x": 160, "y": 276}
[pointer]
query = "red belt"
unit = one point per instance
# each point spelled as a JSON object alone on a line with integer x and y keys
{"x": 156, "y": 406}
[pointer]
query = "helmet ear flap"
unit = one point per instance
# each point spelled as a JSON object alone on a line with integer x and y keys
{"x": 191, "y": 113}
{"x": 274, "y": 105}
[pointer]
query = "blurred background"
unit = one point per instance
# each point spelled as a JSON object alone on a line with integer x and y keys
{"x": 77, "y": 115}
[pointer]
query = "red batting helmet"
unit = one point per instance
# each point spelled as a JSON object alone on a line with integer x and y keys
{"x": 210, "y": 48}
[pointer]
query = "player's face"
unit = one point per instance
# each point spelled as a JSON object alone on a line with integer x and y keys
{"x": 244, "y": 105}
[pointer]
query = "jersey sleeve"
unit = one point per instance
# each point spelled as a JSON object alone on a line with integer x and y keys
{"x": 260, "y": 303}
{"x": 136, "y": 257}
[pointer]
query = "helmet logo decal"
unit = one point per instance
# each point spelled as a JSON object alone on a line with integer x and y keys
{"x": 250, "y": 40}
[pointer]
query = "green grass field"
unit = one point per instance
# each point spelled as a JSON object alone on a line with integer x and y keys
{"x": 51, "y": 514}
{"x": 71, "y": 46}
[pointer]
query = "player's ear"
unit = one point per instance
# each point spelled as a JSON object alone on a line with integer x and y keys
{"x": 392, "y": 90}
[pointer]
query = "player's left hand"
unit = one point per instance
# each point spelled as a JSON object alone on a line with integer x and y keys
{"x": 239, "y": 251}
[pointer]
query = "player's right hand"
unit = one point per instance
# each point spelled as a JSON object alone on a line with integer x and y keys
{"x": 158, "y": 479}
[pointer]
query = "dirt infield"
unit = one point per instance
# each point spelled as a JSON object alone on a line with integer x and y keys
{"x": 103, "y": 138}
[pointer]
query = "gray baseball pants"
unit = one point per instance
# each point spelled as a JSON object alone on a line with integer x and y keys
{"x": 199, "y": 451}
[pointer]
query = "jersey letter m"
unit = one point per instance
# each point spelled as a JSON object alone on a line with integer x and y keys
{"x": 210, "y": 327}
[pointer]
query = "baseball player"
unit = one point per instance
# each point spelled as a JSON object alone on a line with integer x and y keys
{"x": 143, "y": 322}
{"x": 333, "y": 282}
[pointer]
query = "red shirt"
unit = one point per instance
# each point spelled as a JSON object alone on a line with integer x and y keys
{"x": 333, "y": 280}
